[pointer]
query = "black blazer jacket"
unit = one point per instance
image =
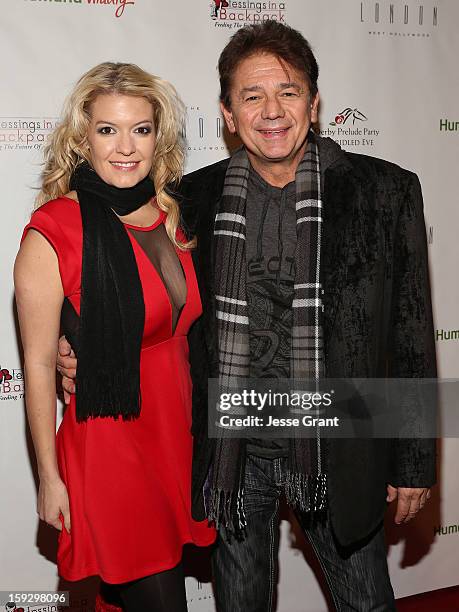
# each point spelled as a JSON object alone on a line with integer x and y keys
{"x": 377, "y": 322}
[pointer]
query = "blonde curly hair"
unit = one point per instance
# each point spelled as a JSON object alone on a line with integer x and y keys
{"x": 68, "y": 147}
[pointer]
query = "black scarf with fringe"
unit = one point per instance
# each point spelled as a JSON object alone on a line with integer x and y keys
{"x": 112, "y": 311}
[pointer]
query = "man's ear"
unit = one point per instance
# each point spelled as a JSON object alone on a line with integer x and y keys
{"x": 228, "y": 115}
{"x": 315, "y": 108}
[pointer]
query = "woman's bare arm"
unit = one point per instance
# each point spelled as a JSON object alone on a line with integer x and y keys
{"x": 39, "y": 297}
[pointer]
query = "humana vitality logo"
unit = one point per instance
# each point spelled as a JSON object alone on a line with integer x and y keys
{"x": 446, "y": 334}
{"x": 237, "y": 13}
{"x": 118, "y": 5}
{"x": 446, "y": 530}
{"x": 448, "y": 125}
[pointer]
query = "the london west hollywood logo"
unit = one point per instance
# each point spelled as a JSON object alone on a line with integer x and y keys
{"x": 409, "y": 18}
{"x": 237, "y": 13}
{"x": 349, "y": 128}
{"x": 204, "y": 131}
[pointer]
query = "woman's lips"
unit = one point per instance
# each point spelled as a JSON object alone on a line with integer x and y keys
{"x": 125, "y": 166}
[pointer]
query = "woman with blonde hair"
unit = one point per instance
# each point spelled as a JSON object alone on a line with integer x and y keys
{"x": 105, "y": 249}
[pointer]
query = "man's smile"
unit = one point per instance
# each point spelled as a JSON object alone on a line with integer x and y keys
{"x": 273, "y": 132}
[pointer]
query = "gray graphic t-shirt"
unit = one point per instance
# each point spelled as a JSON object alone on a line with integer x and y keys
{"x": 270, "y": 255}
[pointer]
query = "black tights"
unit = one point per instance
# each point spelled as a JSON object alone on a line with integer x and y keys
{"x": 162, "y": 592}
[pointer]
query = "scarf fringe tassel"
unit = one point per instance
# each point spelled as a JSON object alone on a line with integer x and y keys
{"x": 306, "y": 492}
{"x": 117, "y": 396}
{"x": 227, "y": 510}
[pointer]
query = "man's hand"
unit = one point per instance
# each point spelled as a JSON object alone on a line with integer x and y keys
{"x": 66, "y": 366}
{"x": 410, "y": 501}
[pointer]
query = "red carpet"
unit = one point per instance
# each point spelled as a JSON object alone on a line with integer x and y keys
{"x": 445, "y": 600}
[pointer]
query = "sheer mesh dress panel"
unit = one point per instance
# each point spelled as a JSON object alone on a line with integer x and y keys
{"x": 160, "y": 251}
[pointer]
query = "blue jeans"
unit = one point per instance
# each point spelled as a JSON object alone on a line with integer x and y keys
{"x": 245, "y": 572}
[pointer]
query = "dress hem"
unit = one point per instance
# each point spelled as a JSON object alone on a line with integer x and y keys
{"x": 73, "y": 576}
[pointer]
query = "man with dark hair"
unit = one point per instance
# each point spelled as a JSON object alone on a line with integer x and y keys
{"x": 311, "y": 261}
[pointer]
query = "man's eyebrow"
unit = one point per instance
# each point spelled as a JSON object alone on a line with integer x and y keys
{"x": 290, "y": 84}
{"x": 286, "y": 85}
{"x": 251, "y": 88}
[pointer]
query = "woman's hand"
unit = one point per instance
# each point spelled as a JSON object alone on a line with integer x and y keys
{"x": 53, "y": 500}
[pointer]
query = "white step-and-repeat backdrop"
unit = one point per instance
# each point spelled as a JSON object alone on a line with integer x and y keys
{"x": 389, "y": 86}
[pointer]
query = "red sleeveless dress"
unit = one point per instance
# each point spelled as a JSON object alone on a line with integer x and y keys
{"x": 129, "y": 482}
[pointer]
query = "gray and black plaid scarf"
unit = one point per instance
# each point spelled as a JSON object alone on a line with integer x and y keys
{"x": 305, "y": 486}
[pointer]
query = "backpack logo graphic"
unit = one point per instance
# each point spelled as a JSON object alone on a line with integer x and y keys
{"x": 11, "y": 607}
{"x": 215, "y": 7}
{"x": 11, "y": 384}
{"x": 237, "y": 13}
{"x": 5, "y": 375}
{"x": 342, "y": 117}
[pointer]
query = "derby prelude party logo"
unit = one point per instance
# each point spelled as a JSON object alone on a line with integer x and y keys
{"x": 346, "y": 129}
{"x": 237, "y": 13}
{"x": 348, "y": 113}
{"x": 118, "y": 5}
